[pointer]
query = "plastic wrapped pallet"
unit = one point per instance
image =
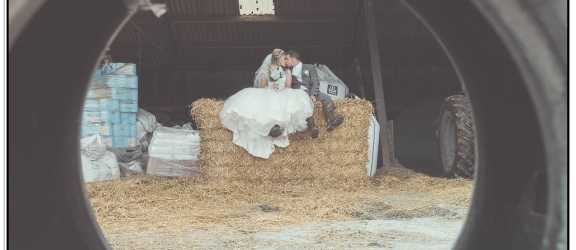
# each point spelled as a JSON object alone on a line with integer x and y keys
{"x": 111, "y": 105}
{"x": 172, "y": 168}
{"x": 173, "y": 152}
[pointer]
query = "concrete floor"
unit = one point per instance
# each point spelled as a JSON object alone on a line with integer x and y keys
{"x": 416, "y": 233}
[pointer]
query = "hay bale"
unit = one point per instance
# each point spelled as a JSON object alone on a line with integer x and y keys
{"x": 298, "y": 161}
{"x": 206, "y": 113}
{"x": 302, "y": 145}
{"x": 338, "y": 157}
{"x": 221, "y": 134}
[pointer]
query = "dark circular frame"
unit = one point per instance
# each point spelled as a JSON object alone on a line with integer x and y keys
{"x": 511, "y": 57}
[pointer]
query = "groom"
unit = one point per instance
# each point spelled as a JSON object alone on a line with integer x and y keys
{"x": 304, "y": 77}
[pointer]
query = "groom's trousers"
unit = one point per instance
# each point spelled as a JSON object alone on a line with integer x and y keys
{"x": 326, "y": 99}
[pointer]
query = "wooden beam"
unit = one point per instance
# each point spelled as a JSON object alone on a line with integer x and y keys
{"x": 377, "y": 78}
{"x": 391, "y": 135}
{"x": 290, "y": 18}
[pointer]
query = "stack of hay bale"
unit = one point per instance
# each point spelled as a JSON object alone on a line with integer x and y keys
{"x": 336, "y": 158}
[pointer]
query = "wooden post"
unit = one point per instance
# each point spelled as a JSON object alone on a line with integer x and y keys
{"x": 377, "y": 78}
{"x": 391, "y": 135}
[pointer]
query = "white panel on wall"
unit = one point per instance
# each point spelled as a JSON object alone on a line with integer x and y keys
{"x": 256, "y": 7}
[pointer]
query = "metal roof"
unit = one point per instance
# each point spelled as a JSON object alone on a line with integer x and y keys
{"x": 212, "y": 34}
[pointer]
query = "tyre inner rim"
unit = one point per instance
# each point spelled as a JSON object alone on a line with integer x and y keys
{"x": 447, "y": 141}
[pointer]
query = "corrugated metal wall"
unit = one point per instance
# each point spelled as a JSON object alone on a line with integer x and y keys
{"x": 403, "y": 86}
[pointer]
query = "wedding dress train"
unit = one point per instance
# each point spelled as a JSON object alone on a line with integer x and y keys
{"x": 252, "y": 112}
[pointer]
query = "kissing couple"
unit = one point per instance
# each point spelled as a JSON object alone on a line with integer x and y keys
{"x": 281, "y": 103}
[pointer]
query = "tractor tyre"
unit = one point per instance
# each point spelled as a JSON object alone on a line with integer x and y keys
{"x": 455, "y": 137}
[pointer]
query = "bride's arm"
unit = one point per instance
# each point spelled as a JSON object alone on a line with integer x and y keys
{"x": 288, "y": 79}
{"x": 264, "y": 82}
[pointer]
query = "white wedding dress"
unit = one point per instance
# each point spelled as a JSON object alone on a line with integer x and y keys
{"x": 252, "y": 112}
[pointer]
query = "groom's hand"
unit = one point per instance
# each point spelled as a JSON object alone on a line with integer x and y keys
{"x": 313, "y": 98}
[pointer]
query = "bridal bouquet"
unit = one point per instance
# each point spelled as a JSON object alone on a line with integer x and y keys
{"x": 274, "y": 73}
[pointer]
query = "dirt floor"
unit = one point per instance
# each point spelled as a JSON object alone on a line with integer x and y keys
{"x": 417, "y": 233}
{"x": 399, "y": 209}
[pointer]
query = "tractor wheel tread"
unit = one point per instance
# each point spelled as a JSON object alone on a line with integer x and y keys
{"x": 461, "y": 113}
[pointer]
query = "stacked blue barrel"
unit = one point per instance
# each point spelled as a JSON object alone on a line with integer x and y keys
{"x": 111, "y": 105}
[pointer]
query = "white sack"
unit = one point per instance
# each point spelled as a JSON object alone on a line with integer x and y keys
{"x": 97, "y": 163}
{"x": 93, "y": 147}
{"x": 145, "y": 122}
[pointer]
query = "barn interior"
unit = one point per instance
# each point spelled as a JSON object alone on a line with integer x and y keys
{"x": 510, "y": 55}
{"x": 211, "y": 49}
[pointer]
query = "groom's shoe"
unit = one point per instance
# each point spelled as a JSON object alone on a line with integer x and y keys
{"x": 314, "y": 131}
{"x": 333, "y": 122}
{"x": 275, "y": 131}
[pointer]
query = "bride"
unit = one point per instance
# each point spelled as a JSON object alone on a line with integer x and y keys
{"x": 261, "y": 118}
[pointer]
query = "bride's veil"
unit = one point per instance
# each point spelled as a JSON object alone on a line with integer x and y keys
{"x": 261, "y": 70}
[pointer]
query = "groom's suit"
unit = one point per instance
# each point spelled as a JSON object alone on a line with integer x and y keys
{"x": 311, "y": 82}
